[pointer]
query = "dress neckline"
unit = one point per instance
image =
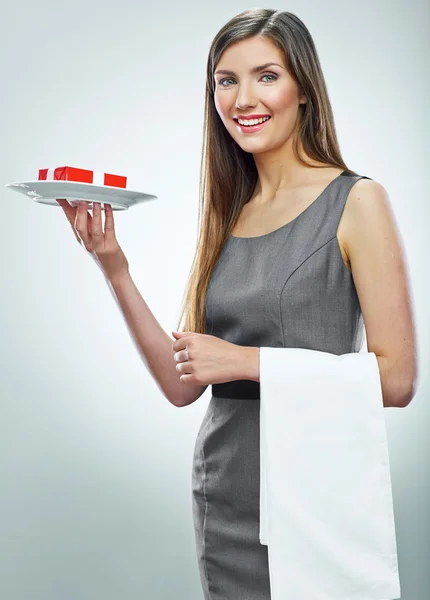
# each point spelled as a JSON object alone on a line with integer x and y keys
{"x": 259, "y": 237}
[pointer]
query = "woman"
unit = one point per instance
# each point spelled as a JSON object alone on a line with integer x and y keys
{"x": 294, "y": 250}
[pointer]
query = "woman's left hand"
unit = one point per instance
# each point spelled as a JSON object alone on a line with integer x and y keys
{"x": 206, "y": 359}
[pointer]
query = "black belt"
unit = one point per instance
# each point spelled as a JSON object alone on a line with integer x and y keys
{"x": 243, "y": 389}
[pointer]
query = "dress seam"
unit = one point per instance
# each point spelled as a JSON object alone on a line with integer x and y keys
{"x": 278, "y": 307}
{"x": 204, "y": 520}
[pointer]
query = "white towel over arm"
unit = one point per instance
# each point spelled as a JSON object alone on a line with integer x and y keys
{"x": 326, "y": 506}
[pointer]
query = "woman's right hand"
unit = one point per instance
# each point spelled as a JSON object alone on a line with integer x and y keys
{"x": 103, "y": 247}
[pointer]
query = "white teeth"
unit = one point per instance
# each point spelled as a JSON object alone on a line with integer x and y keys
{"x": 253, "y": 121}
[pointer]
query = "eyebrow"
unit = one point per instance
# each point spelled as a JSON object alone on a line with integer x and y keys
{"x": 253, "y": 70}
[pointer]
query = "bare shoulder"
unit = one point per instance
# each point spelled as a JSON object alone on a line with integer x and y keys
{"x": 367, "y": 206}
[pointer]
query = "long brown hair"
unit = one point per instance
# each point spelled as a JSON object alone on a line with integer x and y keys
{"x": 228, "y": 174}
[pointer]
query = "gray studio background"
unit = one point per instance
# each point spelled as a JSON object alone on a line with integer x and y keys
{"x": 95, "y": 464}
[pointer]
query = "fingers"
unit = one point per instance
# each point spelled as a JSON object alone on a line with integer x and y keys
{"x": 181, "y": 356}
{"x": 109, "y": 224}
{"x": 68, "y": 210}
{"x": 83, "y": 224}
{"x": 70, "y": 213}
{"x": 100, "y": 239}
{"x": 96, "y": 227}
{"x": 88, "y": 229}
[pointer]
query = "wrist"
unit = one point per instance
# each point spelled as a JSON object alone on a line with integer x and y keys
{"x": 119, "y": 279}
{"x": 250, "y": 363}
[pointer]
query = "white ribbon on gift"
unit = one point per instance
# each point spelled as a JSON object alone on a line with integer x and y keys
{"x": 326, "y": 506}
{"x": 98, "y": 178}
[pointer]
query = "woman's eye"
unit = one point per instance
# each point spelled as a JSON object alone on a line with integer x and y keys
{"x": 232, "y": 79}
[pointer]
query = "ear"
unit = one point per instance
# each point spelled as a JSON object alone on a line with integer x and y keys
{"x": 303, "y": 99}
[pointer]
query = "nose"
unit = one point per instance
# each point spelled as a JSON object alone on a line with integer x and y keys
{"x": 244, "y": 98}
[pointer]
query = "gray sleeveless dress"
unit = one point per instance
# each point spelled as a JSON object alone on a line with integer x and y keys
{"x": 288, "y": 288}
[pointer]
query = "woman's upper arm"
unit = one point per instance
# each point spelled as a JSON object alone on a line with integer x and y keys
{"x": 379, "y": 267}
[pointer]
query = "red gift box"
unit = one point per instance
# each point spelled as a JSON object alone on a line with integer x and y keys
{"x": 83, "y": 176}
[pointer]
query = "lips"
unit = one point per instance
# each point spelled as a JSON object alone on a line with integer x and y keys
{"x": 250, "y": 118}
{"x": 250, "y": 129}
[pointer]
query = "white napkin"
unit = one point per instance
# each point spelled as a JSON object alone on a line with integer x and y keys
{"x": 326, "y": 506}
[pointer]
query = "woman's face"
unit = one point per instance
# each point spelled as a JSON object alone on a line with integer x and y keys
{"x": 270, "y": 91}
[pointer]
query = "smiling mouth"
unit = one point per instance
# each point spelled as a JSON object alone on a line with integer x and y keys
{"x": 236, "y": 120}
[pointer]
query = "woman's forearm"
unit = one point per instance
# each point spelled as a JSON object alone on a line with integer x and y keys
{"x": 152, "y": 342}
